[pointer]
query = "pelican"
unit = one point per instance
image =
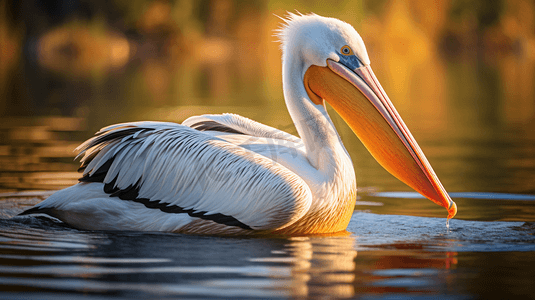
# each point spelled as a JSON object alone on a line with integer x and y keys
{"x": 228, "y": 175}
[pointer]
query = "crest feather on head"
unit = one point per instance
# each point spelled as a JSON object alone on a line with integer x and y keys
{"x": 325, "y": 32}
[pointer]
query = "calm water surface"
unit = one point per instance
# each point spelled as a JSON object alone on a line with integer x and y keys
{"x": 397, "y": 245}
{"x": 383, "y": 256}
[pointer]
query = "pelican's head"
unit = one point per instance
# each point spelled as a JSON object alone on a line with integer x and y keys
{"x": 316, "y": 39}
{"x": 336, "y": 68}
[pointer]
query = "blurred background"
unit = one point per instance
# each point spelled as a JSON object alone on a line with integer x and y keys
{"x": 460, "y": 72}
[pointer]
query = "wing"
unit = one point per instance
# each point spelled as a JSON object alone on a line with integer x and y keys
{"x": 232, "y": 123}
{"x": 270, "y": 142}
{"x": 178, "y": 169}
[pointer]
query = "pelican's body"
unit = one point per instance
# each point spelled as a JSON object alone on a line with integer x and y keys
{"x": 225, "y": 174}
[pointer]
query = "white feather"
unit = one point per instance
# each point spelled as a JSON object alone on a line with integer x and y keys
{"x": 263, "y": 177}
{"x": 194, "y": 168}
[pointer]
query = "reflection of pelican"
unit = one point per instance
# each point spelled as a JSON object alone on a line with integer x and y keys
{"x": 225, "y": 174}
{"x": 318, "y": 266}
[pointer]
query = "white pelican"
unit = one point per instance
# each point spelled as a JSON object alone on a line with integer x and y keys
{"x": 228, "y": 175}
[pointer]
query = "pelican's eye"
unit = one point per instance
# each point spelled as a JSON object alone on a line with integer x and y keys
{"x": 346, "y": 50}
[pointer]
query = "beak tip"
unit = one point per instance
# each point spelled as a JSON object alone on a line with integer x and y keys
{"x": 452, "y": 210}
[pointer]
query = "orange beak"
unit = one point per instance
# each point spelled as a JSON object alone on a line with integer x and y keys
{"x": 359, "y": 99}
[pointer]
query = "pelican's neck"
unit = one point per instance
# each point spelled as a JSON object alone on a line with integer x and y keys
{"x": 323, "y": 145}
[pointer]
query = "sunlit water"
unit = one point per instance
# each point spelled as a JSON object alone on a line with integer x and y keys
{"x": 382, "y": 255}
{"x": 397, "y": 246}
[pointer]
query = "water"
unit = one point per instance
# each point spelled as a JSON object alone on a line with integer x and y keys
{"x": 383, "y": 255}
{"x": 473, "y": 117}
{"x": 397, "y": 245}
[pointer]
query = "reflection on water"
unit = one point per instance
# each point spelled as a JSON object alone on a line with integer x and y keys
{"x": 37, "y": 153}
{"x": 398, "y": 255}
{"x": 475, "y": 206}
{"x": 318, "y": 266}
{"x": 129, "y": 264}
